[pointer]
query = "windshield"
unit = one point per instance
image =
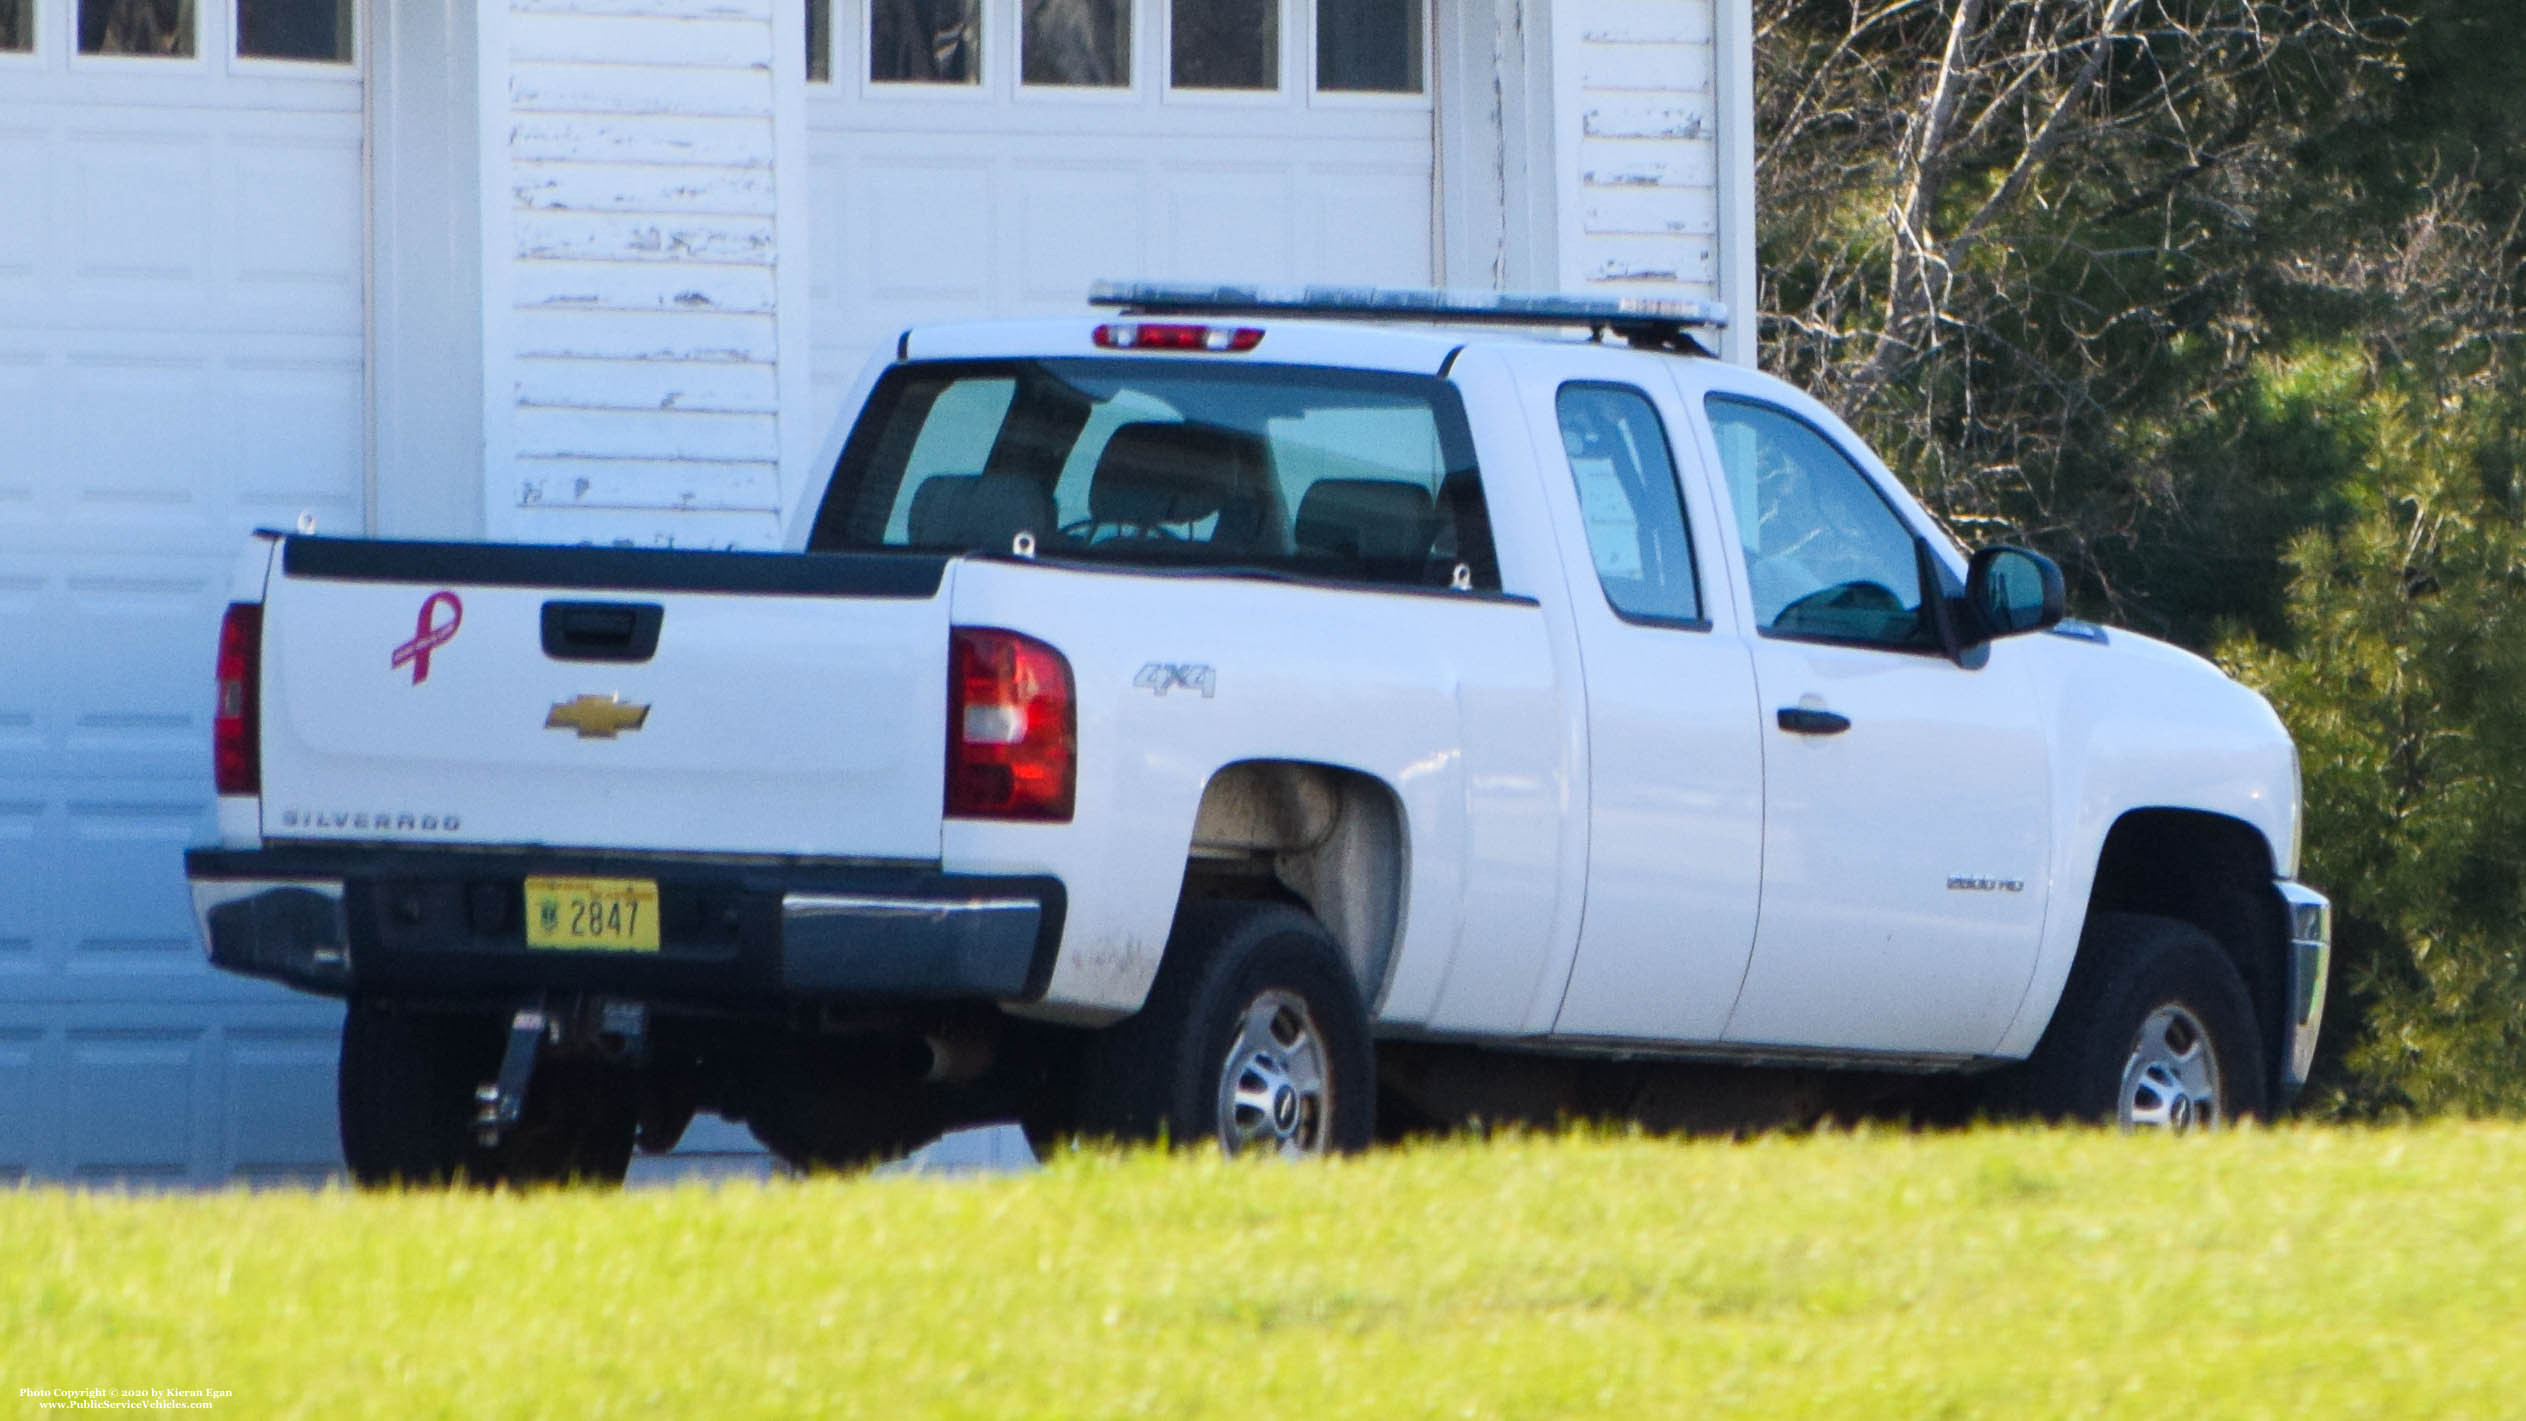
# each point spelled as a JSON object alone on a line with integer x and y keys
{"x": 1351, "y": 475}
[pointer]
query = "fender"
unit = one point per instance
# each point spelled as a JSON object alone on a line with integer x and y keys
{"x": 2138, "y": 724}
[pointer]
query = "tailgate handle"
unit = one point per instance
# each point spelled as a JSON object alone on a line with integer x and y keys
{"x": 602, "y": 631}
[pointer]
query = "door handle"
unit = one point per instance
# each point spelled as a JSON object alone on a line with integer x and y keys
{"x": 1799, "y": 720}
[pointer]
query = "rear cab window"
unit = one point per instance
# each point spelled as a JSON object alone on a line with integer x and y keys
{"x": 1352, "y": 476}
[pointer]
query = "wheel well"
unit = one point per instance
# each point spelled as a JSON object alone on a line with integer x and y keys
{"x": 2215, "y": 873}
{"x": 1325, "y": 838}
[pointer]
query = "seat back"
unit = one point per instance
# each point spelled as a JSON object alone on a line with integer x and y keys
{"x": 1156, "y": 473}
{"x": 1381, "y": 527}
{"x": 984, "y": 512}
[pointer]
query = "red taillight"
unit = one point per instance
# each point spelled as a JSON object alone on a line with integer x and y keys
{"x": 1012, "y": 728}
{"x": 1175, "y": 335}
{"x": 236, "y": 721}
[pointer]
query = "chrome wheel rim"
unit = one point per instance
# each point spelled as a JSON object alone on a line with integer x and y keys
{"x": 1273, "y": 1093}
{"x": 2171, "y": 1082}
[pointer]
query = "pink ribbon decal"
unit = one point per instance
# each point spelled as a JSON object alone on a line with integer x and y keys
{"x": 427, "y": 637}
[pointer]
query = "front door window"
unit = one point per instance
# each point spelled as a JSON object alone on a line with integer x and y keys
{"x": 1827, "y": 559}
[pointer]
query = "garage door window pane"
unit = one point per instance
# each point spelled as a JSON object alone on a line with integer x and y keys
{"x": 1368, "y": 46}
{"x": 17, "y": 25}
{"x": 1078, "y": 42}
{"x": 295, "y": 29}
{"x": 153, "y": 27}
{"x": 1226, "y": 44}
{"x": 819, "y": 41}
{"x": 925, "y": 41}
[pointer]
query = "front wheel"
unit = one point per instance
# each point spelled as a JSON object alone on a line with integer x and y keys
{"x": 1254, "y": 1037}
{"x": 2154, "y": 1032}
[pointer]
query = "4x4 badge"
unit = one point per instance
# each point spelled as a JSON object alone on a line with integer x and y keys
{"x": 1162, "y": 677}
{"x": 596, "y": 717}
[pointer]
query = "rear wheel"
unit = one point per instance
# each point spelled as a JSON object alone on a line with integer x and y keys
{"x": 1253, "y": 1037}
{"x": 405, "y": 1094}
{"x": 579, "y": 1124}
{"x": 841, "y": 1103}
{"x": 2154, "y": 1032}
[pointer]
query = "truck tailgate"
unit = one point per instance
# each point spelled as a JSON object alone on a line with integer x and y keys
{"x": 487, "y": 694}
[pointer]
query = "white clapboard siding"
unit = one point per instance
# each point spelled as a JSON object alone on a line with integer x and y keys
{"x": 648, "y": 527}
{"x": 642, "y": 340}
{"x": 623, "y": 336}
{"x": 1652, "y": 68}
{"x": 619, "y": 187}
{"x": 652, "y": 9}
{"x": 645, "y": 385}
{"x": 1651, "y": 212}
{"x": 693, "y": 484}
{"x": 1689, "y": 264}
{"x": 1645, "y": 22}
{"x": 639, "y": 39}
{"x": 640, "y": 89}
{"x": 1635, "y": 82}
{"x": 642, "y": 236}
{"x": 639, "y": 138}
{"x": 644, "y": 286}
{"x": 545, "y": 433}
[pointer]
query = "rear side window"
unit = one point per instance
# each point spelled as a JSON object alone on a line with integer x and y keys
{"x": 1349, "y": 475}
{"x": 1627, "y": 494}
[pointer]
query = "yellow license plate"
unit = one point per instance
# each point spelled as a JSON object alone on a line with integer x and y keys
{"x": 599, "y": 914}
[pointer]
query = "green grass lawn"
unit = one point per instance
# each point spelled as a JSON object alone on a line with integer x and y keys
{"x": 2292, "y": 1273}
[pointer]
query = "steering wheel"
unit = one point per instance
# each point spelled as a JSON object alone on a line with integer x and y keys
{"x": 1841, "y": 608}
{"x": 1086, "y": 530}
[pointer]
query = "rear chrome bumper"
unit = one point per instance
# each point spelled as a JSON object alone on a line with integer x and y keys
{"x": 2310, "y": 958}
{"x": 448, "y": 923}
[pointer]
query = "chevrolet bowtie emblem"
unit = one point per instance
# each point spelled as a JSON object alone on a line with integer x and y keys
{"x": 596, "y": 717}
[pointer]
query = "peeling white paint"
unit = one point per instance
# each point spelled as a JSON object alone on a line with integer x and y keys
{"x": 1687, "y": 121}
{"x": 1636, "y": 84}
{"x": 643, "y": 331}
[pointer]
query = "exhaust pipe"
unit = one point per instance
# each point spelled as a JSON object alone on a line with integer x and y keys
{"x": 959, "y": 1053}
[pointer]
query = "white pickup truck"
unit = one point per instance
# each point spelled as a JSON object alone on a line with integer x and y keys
{"x": 1247, "y": 715}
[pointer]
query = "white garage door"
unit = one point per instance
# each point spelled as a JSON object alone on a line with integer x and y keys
{"x": 180, "y": 361}
{"x": 993, "y": 157}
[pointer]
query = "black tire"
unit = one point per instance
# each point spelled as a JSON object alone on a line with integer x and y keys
{"x": 405, "y": 1096}
{"x": 844, "y": 1127}
{"x": 1260, "y": 982}
{"x": 580, "y": 1121}
{"x": 837, "y": 1104}
{"x": 405, "y": 1093}
{"x": 2154, "y": 1030}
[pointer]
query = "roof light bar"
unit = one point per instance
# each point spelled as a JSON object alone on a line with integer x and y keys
{"x": 1629, "y": 315}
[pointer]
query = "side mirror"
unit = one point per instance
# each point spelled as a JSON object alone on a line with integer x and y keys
{"x": 2009, "y": 591}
